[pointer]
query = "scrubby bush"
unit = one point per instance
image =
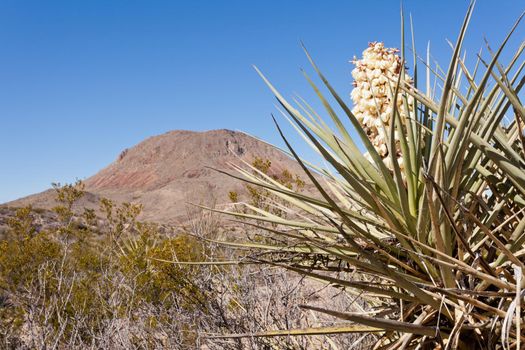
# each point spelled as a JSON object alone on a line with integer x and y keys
{"x": 79, "y": 284}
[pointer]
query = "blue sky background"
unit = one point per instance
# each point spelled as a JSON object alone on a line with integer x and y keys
{"x": 82, "y": 80}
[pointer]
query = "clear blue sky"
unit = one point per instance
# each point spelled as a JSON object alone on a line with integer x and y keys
{"x": 82, "y": 80}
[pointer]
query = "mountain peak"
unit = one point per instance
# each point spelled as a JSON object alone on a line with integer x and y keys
{"x": 161, "y": 159}
{"x": 166, "y": 171}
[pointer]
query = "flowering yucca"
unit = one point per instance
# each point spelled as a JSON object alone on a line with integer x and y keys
{"x": 375, "y": 76}
{"x": 440, "y": 263}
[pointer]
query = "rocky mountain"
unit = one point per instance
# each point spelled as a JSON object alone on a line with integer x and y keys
{"x": 166, "y": 172}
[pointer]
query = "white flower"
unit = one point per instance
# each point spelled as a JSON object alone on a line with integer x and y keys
{"x": 355, "y": 94}
{"x": 375, "y": 76}
{"x": 388, "y": 162}
{"x": 382, "y": 150}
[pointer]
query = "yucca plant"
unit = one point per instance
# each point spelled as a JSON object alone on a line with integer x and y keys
{"x": 430, "y": 214}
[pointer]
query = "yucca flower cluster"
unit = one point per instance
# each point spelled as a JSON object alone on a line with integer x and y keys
{"x": 375, "y": 77}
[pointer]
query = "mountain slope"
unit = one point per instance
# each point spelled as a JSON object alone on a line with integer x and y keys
{"x": 167, "y": 171}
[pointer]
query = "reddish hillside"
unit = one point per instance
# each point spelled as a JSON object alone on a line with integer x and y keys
{"x": 165, "y": 172}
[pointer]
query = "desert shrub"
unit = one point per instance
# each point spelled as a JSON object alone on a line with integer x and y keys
{"x": 80, "y": 284}
{"x": 261, "y": 198}
{"x": 158, "y": 281}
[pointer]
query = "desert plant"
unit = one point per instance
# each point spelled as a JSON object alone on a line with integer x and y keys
{"x": 260, "y": 198}
{"x": 87, "y": 282}
{"x": 431, "y": 217}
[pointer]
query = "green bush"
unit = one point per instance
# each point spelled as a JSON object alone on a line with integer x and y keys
{"x": 69, "y": 283}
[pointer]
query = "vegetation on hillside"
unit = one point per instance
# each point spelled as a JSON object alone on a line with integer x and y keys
{"x": 82, "y": 284}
